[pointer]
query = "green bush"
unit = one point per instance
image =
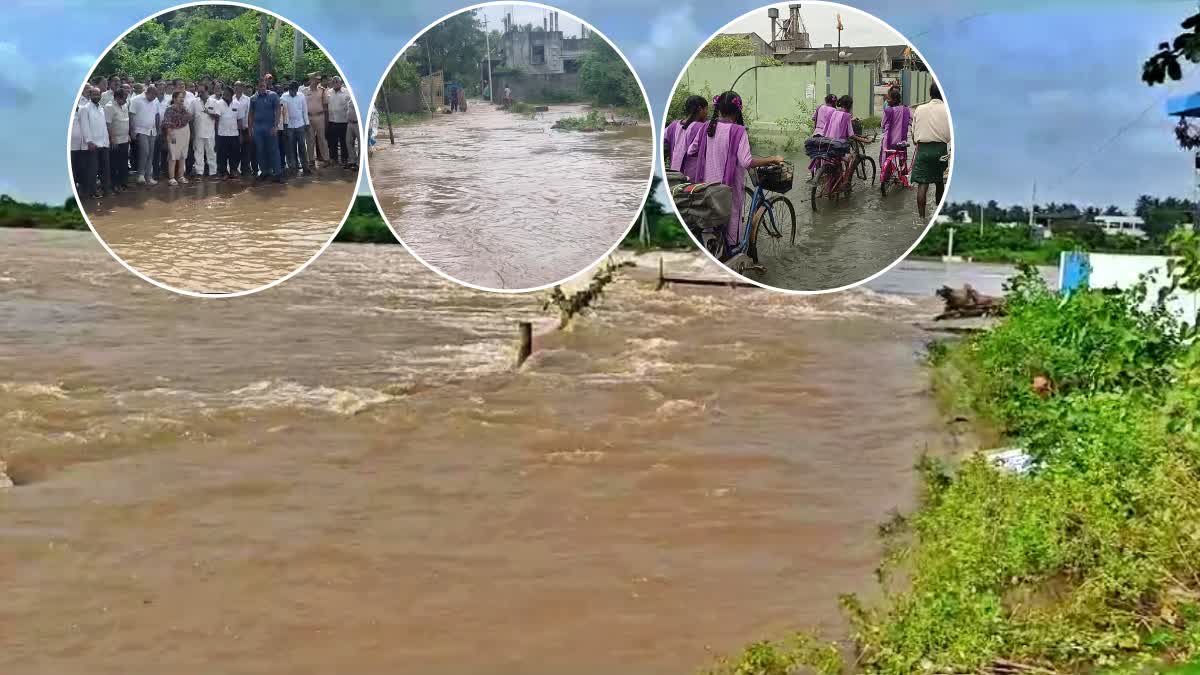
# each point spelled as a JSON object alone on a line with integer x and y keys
{"x": 1092, "y": 559}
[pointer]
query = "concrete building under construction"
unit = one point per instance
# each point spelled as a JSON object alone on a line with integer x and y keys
{"x": 540, "y": 50}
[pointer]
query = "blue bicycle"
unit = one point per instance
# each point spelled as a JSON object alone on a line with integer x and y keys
{"x": 768, "y": 221}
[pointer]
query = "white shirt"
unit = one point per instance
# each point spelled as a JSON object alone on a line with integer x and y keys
{"x": 202, "y": 124}
{"x": 106, "y": 97}
{"x": 339, "y": 103}
{"x": 117, "y": 117}
{"x": 92, "y": 126}
{"x": 143, "y": 112}
{"x": 297, "y": 109}
{"x": 242, "y": 104}
{"x": 931, "y": 122}
{"x": 227, "y": 125}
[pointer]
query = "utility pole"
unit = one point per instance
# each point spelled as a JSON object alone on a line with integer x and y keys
{"x": 981, "y": 221}
{"x": 839, "y": 27}
{"x": 1032, "y": 205}
{"x": 487, "y": 41}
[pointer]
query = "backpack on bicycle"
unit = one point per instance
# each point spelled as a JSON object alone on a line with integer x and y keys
{"x": 703, "y": 205}
{"x": 819, "y": 147}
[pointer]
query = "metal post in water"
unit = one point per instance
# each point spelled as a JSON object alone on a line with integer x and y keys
{"x": 662, "y": 281}
{"x": 525, "y": 348}
{"x": 487, "y": 41}
{"x": 387, "y": 111}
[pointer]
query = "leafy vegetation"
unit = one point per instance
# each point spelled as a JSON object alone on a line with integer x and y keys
{"x": 593, "y": 121}
{"x": 606, "y": 80}
{"x": 728, "y": 45}
{"x": 365, "y": 225}
{"x": 41, "y": 216}
{"x": 214, "y": 41}
{"x": 664, "y": 227}
{"x": 1091, "y": 560}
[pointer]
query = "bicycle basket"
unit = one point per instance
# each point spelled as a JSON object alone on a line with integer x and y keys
{"x": 775, "y": 177}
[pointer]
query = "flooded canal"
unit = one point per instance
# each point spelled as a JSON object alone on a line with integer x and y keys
{"x": 223, "y": 237}
{"x": 844, "y": 241}
{"x": 344, "y": 475}
{"x": 501, "y": 200}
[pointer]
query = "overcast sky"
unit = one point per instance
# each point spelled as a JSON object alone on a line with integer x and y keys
{"x": 1039, "y": 89}
{"x": 820, "y": 18}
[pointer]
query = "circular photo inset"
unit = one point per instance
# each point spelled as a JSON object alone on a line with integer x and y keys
{"x": 807, "y": 148}
{"x": 513, "y": 147}
{"x": 214, "y": 149}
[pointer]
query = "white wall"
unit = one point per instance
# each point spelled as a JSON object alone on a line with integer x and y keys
{"x": 1110, "y": 270}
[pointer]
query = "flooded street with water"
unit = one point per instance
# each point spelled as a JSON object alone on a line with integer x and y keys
{"x": 846, "y": 240}
{"x": 343, "y": 473}
{"x": 501, "y": 200}
{"x": 223, "y": 237}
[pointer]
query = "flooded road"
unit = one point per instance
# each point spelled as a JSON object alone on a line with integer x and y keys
{"x": 844, "y": 241}
{"x": 223, "y": 237}
{"x": 342, "y": 473}
{"x": 501, "y": 200}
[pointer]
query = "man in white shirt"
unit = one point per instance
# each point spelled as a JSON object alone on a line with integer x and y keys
{"x": 93, "y": 143}
{"x": 229, "y": 132}
{"x": 204, "y": 133}
{"x": 295, "y": 127}
{"x": 352, "y": 139}
{"x": 337, "y": 106}
{"x": 316, "y": 147}
{"x": 931, "y": 133}
{"x": 106, "y": 94}
{"x": 249, "y": 159}
{"x": 116, "y": 116}
{"x": 143, "y": 128}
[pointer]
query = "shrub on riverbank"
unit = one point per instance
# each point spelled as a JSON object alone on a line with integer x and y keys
{"x": 1089, "y": 561}
{"x": 41, "y": 216}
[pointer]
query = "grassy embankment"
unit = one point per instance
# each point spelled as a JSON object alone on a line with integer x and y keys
{"x": 1088, "y": 563}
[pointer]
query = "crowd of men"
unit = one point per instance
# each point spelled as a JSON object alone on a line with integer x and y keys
{"x": 176, "y": 129}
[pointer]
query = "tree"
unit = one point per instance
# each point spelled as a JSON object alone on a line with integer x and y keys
{"x": 455, "y": 46}
{"x": 605, "y": 78}
{"x": 728, "y": 45}
{"x": 1165, "y": 63}
{"x": 1113, "y": 211}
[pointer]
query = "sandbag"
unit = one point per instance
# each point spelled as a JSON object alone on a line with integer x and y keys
{"x": 703, "y": 205}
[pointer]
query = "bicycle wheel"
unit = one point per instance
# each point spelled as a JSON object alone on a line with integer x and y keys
{"x": 768, "y": 240}
{"x": 785, "y": 218}
{"x": 823, "y": 186}
{"x": 746, "y": 205}
{"x": 891, "y": 177}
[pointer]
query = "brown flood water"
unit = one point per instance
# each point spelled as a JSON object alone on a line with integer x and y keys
{"x": 342, "y": 474}
{"x": 223, "y": 237}
{"x": 501, "y": 200}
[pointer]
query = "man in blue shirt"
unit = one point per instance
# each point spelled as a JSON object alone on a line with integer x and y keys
{"x": 263, "y": 120}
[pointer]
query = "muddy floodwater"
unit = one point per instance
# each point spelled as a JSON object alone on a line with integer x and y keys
{"x": 345, "y": 475}
{"x": 843, "y": 241}
{"x": 502, "y": 200}
{"x": 223, "y": 237}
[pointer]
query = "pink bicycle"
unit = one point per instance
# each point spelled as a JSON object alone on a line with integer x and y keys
{"x": 895, "y": 168}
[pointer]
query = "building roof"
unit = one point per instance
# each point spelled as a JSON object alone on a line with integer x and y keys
{"x": 895, "y": 51}
{"x": 831, "y": 54}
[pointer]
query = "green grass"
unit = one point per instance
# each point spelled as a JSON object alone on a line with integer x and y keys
{"x": 1091, "y": 561}
{"x": 399, "y": 119}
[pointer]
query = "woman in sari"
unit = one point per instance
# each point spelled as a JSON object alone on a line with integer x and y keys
{"x": 696, "y": 108}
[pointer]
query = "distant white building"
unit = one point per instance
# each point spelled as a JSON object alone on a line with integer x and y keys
{"x": 963, "y": 217}
{"x": 1130, "y": 226}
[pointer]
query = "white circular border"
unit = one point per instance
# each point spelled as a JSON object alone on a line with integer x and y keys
{"x": 181, "y": 291}
{"x": 649, "y": 178}
{"x": 898, "y": 260}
